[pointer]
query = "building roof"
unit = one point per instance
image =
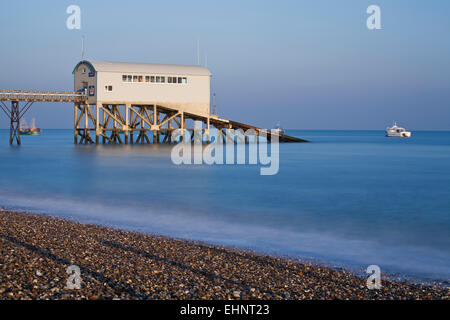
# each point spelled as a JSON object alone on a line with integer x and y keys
{"x": 148, "y": 68}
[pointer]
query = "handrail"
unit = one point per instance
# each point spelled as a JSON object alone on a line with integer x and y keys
{"x": 42, "y": 95}
{"x": 40, "y": 92}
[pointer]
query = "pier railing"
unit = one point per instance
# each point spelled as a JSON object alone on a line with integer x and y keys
{"x": 44, "y": 96}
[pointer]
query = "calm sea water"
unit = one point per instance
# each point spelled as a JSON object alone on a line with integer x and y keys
{"x": 349, "y": 198}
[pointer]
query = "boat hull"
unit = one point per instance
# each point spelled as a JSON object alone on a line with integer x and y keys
{"x": 30, "y": 132}
{"x": 398, "y": 135}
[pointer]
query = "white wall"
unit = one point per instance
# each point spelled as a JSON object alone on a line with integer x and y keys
{"x": 191, "y": 97}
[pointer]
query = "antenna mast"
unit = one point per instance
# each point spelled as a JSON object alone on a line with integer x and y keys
{"x": 198, "y": 51}
{"x": 82, "y": 48}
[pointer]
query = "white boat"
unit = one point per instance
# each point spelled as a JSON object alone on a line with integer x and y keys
{"x": 396, "y": 131}
{"x": 278, "y": 130}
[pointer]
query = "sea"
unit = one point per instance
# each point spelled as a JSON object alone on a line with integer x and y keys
{"x": 347, "y": 199}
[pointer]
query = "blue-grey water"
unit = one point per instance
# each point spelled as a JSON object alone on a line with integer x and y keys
{"x": 349, "y": 198}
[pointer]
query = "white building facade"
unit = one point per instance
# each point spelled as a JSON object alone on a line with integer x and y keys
{"x": 183, "y": 88}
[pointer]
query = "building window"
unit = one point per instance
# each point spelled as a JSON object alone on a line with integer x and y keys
{"x": 83, "y": 70}
{"x": 108, "y": 88}
{"x": 153, "y": 79}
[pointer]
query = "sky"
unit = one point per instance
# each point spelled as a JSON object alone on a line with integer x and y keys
{"x": 308, "y": 64}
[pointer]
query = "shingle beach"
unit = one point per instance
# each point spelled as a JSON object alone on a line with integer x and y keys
{"x": 35, "y": 251}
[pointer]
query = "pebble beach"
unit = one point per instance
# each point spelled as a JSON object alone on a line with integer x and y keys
{"x": 36, "y": 250}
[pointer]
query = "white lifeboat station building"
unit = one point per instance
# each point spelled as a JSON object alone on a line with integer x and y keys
{"x": 131, "y": 99}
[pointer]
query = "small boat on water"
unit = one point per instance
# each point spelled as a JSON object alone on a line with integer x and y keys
{"x": 29, "y": 131}
{"x": 396, "y": 131}
{"x": 278, "y": 129}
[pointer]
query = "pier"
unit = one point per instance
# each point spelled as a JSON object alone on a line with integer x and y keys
{"x": 120, "y": 123}
{"x": 15, "y": 113}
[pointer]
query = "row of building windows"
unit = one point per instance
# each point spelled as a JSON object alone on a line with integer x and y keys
{"x": 155, "y": 79}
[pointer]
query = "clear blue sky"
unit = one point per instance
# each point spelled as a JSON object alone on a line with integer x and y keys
{"x": 309, "y": 64}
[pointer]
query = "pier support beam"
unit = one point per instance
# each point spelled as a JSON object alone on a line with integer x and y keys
{"x": 75, "y": 123}
{"x": 155, "y": 123}
{"x": 97, "y": 123}
{"x": 15, "y": 114}
{"x": 169, "y": 131}
{"x": 127, "y": 122}
{"x": 15, "y": 123}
